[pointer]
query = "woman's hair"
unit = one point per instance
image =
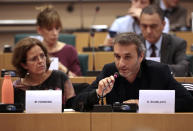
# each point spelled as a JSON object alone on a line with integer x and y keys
{"x": 49, "y": 17}
{"x": 20, "y": 54}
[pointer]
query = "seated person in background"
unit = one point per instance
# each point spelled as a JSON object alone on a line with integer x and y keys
{"x": 130, "y": 22}
{"x": 48, "y": 26}
{"x": 136, "y": 73}
{"x": 170, "y": 49}
{"x": 30, "y": 58}
{"x": 176, "y": 14}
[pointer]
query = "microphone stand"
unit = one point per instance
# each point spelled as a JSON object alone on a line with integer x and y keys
{"x": 91, "y": 35}
{"x": 101, "y": 107}
{"x": 94, "y": 72}
{"x": 81, "y": 16}
{"x": 92, "y": 47}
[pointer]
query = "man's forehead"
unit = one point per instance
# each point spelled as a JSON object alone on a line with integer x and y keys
{"x": 124, "y": 48}
{"x": 154, "y": 16}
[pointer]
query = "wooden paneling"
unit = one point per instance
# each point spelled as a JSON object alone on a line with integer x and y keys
{"x": 100, "y": 59}
{"x": 45, "y": 122}
{"x": 188, "y": 36}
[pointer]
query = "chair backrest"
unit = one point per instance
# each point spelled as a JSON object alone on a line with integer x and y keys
{"x": 83, "y": 59}
{"x": 66, "y": 38}
{"x": 19, "y": 37}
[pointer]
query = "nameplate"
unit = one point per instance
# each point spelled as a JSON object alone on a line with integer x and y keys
{"x": 43, "y": 101}
{"x": 157, "y": 59}
{"x": 54, "y": 63}
{"x": 156, "y": 101}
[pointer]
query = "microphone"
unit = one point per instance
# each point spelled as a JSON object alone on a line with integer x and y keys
{"x": 116, "y": 74}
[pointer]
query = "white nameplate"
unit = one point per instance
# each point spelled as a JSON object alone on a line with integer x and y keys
{"x": 43, "y": 101}
{"x": 156, "y": 101}
{"x": 54, "y": 63}
{"x": 157, "y": 59}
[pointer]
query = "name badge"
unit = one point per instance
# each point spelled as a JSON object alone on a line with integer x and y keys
{"x": 54, "y": 63}
{"x": 156, "y": 101}
{"x": 43, "y": 101}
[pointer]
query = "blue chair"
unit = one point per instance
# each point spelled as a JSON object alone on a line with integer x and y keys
{"x": 83, "y": 59}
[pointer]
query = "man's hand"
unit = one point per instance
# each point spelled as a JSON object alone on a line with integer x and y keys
{"x": 132, "y": 101}
{"x": 105, "y": 85}
{"x": 108, "y": 41}
{"x": 135, "y": 12}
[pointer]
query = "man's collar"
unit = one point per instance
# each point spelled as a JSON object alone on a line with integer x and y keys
{"x": 157, "y": 44}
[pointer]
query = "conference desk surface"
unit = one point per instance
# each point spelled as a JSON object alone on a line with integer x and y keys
{"x": 76, "y": 121}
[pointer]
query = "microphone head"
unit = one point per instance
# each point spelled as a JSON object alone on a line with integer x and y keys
{"x": 97, "y": 9}
{"x": 116, "y": 74}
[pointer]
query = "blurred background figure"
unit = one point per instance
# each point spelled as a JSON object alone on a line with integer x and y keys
{"x": 130, "y": 22}
{"x": 31, "y": 60}
{"x": 49, "y": 26}
{"x": 168, "y": 48}
{"x": 176, "y": 14}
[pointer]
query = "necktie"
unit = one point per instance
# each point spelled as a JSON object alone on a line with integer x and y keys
{"x": 166, "y": 13}
{"x": 153, "y": 54}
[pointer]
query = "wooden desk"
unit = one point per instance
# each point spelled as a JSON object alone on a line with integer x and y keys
{"x": 184, "y": 79}
{"x": 76, "y": 121}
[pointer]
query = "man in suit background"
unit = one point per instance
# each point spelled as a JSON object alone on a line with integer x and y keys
{"x": 169, "y": 48}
